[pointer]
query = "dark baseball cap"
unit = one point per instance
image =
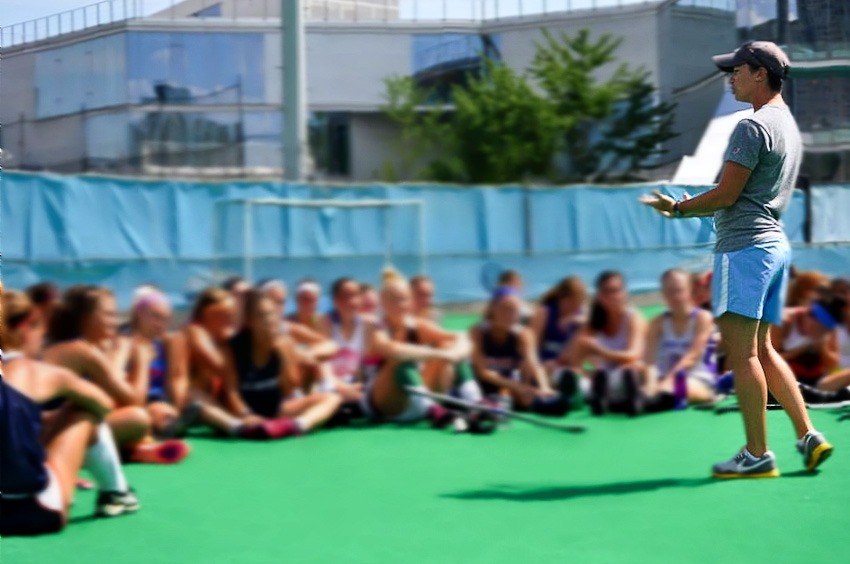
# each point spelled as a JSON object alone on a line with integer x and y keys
{"x": 759, "y": 53}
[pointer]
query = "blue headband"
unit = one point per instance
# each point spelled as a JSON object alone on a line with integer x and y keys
{"x": 823, "y": 316}
{"x": 503, "y": 291}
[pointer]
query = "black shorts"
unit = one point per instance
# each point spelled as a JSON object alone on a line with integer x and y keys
{"x": 28, "y": 517}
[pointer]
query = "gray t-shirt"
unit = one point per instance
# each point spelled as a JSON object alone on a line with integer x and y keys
{"x": 768, "y": 143}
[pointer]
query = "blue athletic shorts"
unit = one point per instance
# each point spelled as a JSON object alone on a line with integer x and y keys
{"x": 753, "y": 281}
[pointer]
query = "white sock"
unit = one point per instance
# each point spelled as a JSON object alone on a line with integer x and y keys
{"x": 103, "y": 463}
{"x": 421, "y": 403}
{"x": 470, "y": 391}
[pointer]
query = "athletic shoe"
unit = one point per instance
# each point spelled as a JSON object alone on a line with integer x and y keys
{"x": 165, "y": 452}
{"x": 814, "y": 396}
{"x": 481, "y": 423}
{"x": 179, "y": 426}
{"x": 599, "y": 393}
{"x": 440, "y": 417}
{"x": 634, "y": 398}
{"x": 83, "y": 484}
{"x": 281, "y": 428}
{"x": 113, "y": 504}
{"x": 745, "y": 465}
{"x": 814, "y": 448}
{"x": 567, "y": 384}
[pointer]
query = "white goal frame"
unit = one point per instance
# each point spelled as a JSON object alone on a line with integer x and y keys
{"x": 248, "y": 225}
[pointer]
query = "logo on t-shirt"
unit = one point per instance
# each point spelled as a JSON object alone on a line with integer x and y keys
{"x": 736, "y": 151}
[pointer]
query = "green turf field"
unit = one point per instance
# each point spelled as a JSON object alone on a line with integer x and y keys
{"x": 627, "y": 491}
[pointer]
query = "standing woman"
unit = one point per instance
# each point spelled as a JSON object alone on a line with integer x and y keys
{"x": 613, "y": 341}
{"x": 84, "y": 339}
{"x": 261, "y": 375}
{"x": 753, "y": 256}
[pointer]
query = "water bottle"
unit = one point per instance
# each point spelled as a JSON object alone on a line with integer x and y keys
{"x": 680, "y": 389}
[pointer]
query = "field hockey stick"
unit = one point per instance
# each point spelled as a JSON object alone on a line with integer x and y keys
{"x": 472, "y": 406}
{"x": 737, "y": 407}
{"x": 710, "y": 405}
{"x": 833, "y": 405}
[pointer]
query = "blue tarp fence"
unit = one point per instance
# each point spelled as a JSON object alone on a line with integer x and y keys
{"x": 121, "y": 232}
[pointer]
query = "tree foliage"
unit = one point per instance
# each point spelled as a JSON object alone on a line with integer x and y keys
{"x": 560, "y": 121}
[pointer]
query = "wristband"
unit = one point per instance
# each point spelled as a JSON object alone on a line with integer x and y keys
{"x": 676, "y": 211}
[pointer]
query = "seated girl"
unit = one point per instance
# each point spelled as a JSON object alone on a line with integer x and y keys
{"x": 39, "y": 463}
{"x": 680, "y": 354}
{"x": 557, "y": 320}
{"x": 505, "y": 359}
{"x": 613, "y": 342}
{"x": 83, "y": 333}
{"x": 399, "y": 348}
{"x": 261, "y": 375}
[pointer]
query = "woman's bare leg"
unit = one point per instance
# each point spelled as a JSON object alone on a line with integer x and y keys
{"x": 835, "y": 382}
{"x": 72, "y": 431}
{"x": 740, "y": 335}
{"x": 313, "y": 410}
{"x": 782, "y": 384}
{"x": 129, "y": 425}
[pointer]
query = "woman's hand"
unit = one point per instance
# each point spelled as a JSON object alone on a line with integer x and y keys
{"x": 662, "y": 203}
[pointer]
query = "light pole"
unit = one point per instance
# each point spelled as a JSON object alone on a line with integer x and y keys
{"x": 294, "y": 89}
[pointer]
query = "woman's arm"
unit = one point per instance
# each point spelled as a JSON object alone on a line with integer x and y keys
{"x": 732, "y": 182}
{"x": 138, "y": 372}
{"x": 319, "y": 347}
{"x": 650, "y": 356}
{"x": 380, "y": 344}
{"x": 177, "y": 379}
{"x": 204, "y": 351}
{"x": 479, "y": 365}
{"x": 831, "y": 353}
{"x": 436, "y": 336}
{"x": 290, "y": 374}
{"x": 85, "y": 359}
{"x": 531, "y": 361}
{"x": 538, "y": 322}
{"x": 79, "y": 392}
{"x": 230, "y": 379}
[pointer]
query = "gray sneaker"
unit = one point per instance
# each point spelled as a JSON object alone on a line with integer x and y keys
{"x": 814, "y": 448}
{"x": 113, "y": 504}
{"x": 745, "y": 465}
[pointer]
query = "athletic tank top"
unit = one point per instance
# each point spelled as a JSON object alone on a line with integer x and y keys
{"x": 619, "y": 341}
{"x": 501, "y": 356}
{"x": 672, "y": 347}
{"x": 259, "y": 386}
{"x": 843, "y": 347}
{"x": 157, "y": 371}
{"x": 555, "y": 337}
{"x": 22, "y": 458}
{"x": 346, "y": 362}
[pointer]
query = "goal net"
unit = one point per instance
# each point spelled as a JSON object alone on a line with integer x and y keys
{"x": 323, "y": 239}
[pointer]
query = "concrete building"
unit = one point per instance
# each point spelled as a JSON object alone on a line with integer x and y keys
{"x": 196, "y": 89}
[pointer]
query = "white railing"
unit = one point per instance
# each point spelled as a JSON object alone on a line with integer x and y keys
{"x": 113, "y": 11}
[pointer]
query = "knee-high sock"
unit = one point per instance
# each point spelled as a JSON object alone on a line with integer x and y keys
{"x": 407, "y": 375}
{"x": 465, "y": 384}
{"x": 103, "y": 462}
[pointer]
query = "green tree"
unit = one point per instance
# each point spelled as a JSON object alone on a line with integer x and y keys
{"x": 506, "y": 127}
{"x": 611, "y": 127}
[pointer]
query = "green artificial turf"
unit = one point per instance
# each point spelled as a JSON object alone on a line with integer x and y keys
{"x": 627, "y": 491}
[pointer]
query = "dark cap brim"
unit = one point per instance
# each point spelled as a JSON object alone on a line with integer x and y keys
{"x": 728, "y": 61}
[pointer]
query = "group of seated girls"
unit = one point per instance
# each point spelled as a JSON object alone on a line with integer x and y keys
{"x": 618, "y": 361}
{"x": 80, "y": 391}
{"x": 815, "y": 336}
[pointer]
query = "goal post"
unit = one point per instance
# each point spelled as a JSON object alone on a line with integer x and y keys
{"x": 249, "y": 206}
